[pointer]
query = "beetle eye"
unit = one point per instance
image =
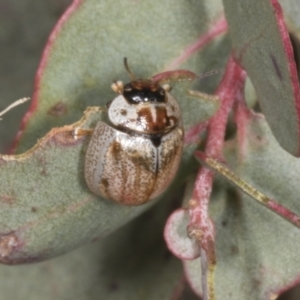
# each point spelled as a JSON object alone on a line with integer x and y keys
{"x": 142, "y": 92}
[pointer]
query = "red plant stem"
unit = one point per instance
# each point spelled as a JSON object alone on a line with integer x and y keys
{"x": 200, "y": 226}
{"x": 192, "y": 135}
{"x": 232, "y": 82}
{"x": 283, "y": 212}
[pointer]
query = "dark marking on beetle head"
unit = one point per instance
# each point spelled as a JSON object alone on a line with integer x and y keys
{"x": 143, "y": 90}
{"x": 276, "y": 67}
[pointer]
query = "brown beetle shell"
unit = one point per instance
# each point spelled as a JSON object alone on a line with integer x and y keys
{"x": 129, "y": 168}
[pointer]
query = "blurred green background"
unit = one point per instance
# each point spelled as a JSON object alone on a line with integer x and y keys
{"x": 24, "y": 28}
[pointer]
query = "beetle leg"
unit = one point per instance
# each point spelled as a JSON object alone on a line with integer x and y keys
{"x": 78, "y": 132}
{"x": 199, "y": 94}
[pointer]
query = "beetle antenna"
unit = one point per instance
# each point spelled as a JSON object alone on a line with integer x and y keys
{"x": 209, "y": 73}
{"x": 132, "y": 76}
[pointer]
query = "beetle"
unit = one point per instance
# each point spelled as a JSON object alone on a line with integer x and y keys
{"x": 134, "y": 157}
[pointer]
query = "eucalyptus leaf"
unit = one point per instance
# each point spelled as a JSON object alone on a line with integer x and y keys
{"x": 262, "y": 46}
{"x": 85, "y": 55}
{"x": 257, "y": 250}
{"x": 46, "y": 206}
{"x": 143, "y": 269}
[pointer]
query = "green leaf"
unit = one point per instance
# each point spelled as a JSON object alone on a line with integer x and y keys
{"x": 291, "y": 14}
{"x": 257, "y": 250}
{"x": 22, "y": 42}
{"x": 52, "y": 201}
{"x": 86, "y": 50}
{"x": 46, "y": 207}
{"x": 262, "y": 46}
{"x": 143, "y": 269}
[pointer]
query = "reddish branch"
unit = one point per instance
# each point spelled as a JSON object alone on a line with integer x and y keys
{"x": 200, "y": 226}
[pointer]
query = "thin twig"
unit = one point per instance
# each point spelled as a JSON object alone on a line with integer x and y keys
{"x": 14, "y": 104}
{"x": 251, "y": 191}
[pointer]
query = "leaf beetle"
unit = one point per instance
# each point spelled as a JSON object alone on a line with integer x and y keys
{"x": 134, "y": 157}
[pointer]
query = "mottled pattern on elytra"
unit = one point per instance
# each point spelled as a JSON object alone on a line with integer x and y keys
{"x": 130, "y": 169}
